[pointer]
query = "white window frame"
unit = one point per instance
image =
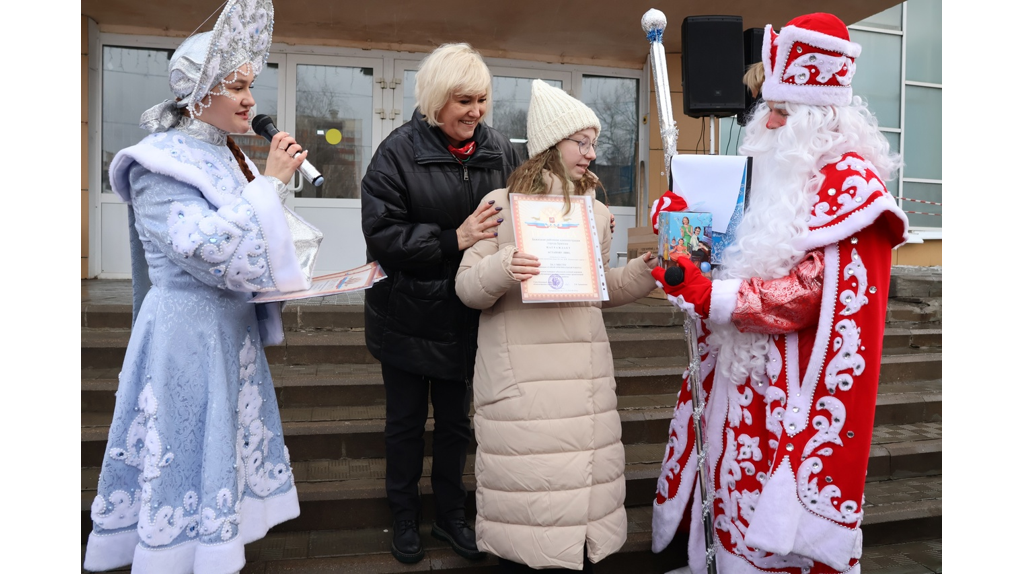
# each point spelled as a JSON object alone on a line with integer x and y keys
{"x": 378, "y": 106}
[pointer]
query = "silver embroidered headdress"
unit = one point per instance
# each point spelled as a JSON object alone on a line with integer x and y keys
{"x": 242, "y": 35}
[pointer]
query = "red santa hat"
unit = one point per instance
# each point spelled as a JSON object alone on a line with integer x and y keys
{"x": 670, "y": 201}
{"x": 810, "y": 61}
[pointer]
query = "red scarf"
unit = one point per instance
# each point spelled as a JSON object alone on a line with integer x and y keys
{"x": 462, "y": 153}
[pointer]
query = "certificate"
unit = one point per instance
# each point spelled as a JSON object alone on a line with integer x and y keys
{"x": 566, "y": 245}
{"x": 362, "y": 277}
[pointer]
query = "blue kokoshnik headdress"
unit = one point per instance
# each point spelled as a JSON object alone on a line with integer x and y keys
{"x": 242, "y": 35}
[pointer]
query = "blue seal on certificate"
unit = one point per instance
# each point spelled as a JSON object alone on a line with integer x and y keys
{"x": 555, "y": 281}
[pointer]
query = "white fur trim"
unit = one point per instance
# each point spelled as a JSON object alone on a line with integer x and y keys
{"x": 853, "y": 223}
{"x": 723, "y": 299}
{"x": 284, "y": 264}
{"x": 158, "y": 161}
{"x": 782, "y": 525}
{"x": 800, "y": 392}
{"x": 109, "y": 551}
{"x": 260, "y": 192}
{"x": 732, "y": 564}
{"x": 766, "y": 50}
{"x": 810, "y": 95}
{"x": 667, "y": 517}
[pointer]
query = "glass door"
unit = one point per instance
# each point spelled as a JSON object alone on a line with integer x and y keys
{"x": 336, "y": 111}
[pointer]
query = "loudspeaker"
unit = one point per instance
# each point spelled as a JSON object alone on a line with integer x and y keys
{"x": 713, "y": 66}
{"x": 752, "y": 41}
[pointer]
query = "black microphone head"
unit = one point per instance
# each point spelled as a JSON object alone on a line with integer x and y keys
{"x": 674, "y": 276}
{"x": 263, "y": 125}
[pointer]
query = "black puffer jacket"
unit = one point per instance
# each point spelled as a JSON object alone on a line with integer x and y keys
{"x": 414, "y": 196}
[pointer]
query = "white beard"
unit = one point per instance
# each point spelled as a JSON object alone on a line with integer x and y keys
{"x": 784, "y": 183}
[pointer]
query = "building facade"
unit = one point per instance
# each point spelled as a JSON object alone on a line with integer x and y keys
{"x": 342, "y": 83}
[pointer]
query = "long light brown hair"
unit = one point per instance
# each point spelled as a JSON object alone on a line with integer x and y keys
{"x": 528, "y": 178}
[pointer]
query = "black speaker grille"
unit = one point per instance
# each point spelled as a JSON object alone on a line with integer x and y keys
{"x": 713, "y": 66}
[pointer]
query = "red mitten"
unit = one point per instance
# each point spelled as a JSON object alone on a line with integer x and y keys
{"x": 696, "y": 288}
{"x": 659, "y": 277}
{"x": 670, "y": 201}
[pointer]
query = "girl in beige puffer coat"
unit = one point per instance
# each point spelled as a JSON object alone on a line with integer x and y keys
{"x": 549, "y": 459}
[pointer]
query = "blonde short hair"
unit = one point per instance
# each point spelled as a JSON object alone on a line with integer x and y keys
{"x": 754, "y": 78}
{"x": 450, "y": 70}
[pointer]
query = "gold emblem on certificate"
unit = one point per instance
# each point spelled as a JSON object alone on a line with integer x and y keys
{"x": 566, "y": 244}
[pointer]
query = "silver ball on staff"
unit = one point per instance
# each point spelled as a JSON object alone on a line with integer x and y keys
{"x": 654, "y": 23}
{"x": 654, "y": 19}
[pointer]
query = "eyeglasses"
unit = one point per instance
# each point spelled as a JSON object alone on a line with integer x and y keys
{"x": 585, "y": 145}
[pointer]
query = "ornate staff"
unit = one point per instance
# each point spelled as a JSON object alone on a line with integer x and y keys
{"x": 654, "y": 23}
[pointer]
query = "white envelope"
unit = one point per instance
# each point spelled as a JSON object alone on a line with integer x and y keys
{"x": 710, "y": 183}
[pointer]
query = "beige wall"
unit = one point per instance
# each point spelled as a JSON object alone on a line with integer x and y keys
{"x": 927, "y": 254}
{"x": 85, "y": 147}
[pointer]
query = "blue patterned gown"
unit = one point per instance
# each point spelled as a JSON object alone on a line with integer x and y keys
{"x": 195, "y": 465}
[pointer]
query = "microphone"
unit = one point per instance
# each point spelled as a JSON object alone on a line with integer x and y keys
{"x": 264, "y": 126}
{"x": 673, "y": 276}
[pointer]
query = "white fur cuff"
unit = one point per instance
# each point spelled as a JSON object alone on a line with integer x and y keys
{"x": 783, "y": 526}
{"x": 723, "y": 299}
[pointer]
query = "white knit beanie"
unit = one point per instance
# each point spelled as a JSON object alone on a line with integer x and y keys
{"x": 553, "y": 116}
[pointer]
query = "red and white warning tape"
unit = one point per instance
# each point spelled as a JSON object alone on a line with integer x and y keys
{"x": 921, "y": 201}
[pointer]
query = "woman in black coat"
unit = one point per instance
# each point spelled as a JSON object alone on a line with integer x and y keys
{"x": 419, "y": 200}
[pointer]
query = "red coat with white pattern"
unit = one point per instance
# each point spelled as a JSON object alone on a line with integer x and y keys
{"x": 788, "y": 453}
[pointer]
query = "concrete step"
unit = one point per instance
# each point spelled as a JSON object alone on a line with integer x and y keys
{"x": 105, "y": 348}
{"x": 912, "y": 557}
{"x": 344, "y": 492}
{"x": 895, "y": 512}
{"x": 360, "y": 384}
{"x": 647, "y": 312}
{"x": 908, "y": 368}
{"x": 310, "y": 315}
{"x": 331, "y": 432}
{"x": 911, "y": 282}
{"x": 330, "y": 385}
{"x": 914, "y": 313}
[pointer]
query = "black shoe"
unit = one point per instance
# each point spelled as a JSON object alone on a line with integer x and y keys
{"x": 405, "y": 542}
{"x": 457, "y": 532}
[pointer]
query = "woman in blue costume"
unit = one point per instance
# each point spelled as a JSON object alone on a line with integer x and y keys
{"x": 195, "y": 465}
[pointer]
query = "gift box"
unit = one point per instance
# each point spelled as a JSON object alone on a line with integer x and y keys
{"x": 685, "y": 234}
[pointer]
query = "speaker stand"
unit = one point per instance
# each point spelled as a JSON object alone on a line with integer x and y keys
{"x": 711, "y": 136}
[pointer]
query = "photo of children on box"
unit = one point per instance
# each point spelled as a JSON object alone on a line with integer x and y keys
{"x": 685, "y": 234}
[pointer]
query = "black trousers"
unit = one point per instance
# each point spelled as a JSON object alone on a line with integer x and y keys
{"x": 407, "y": 395}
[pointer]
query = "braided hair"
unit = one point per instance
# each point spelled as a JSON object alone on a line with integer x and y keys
{"x": 240, "y": 158}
